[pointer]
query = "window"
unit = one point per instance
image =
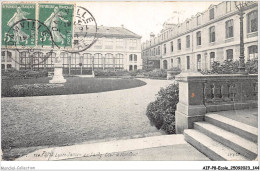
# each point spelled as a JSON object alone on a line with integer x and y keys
{"x": 229, "y": 29}
{"x": 2, "y": 66}
{"x": 130, "y": 57}
{"x": 135, "y": 67}
{"x": 119, "y": 61}
{"x": 199, "y": 20}
{"x": 98, "y": 60}
{"x": 179, "y": 62}
{"x": 179, "y": 44}
{"x": 87, "y": 60}
{"x": 188, "y": 41}
{"x": 198, "y": 38}
{"x": 253, "y": 52}
{"x": 171, "y": 46}
{"x": 252, "y": 21}
{"x": 159, "y": 50}
{"x": 109, "y": 61}
{"x": 9, "y": 66}
{"x": 119, "y": 42}
{"x": 171, "y": 62}
{"x": 130, "y": 67}
{"x": 164, "y": 48}
{"x": 3, "y": 56}
{"x": 212, "y": 58}
{"x": 199, "y": 62}
{"x": 165, "y": 64}
{"x": 229, "y": 54}
{"x": 211, "y": 14}
{"x": 133, "y": 42}
{"x": 212, "y": 34}
{"x": 135, "y": 57}
{"x": 228, "y": 6}
{"x": 188, "y": 62}
{"x": 187, "y": 25}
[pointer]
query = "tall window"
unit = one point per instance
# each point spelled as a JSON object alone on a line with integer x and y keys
{"x": 188, "y": 62}
{"x": 164, "y": 47}
{"x": 165, "y": 64}
{"x": 98, "y": 60}
{"x": 199, "y": 62}
{"x": 212, "y": 58}
{"x": 229, "y": 29}
{"x": 109, "y": 60}
{"x": 253, "y": 52}
{"x": 9, "y": 56}
{"x": 198, "y": 38}
{"x": 211, "y": 13}
{"x": 130, "y": 67}
{"x": 87, "y": 60}
{"x": 188, "y": 41}
{"x": 179, "y": 44}
{"x": 130, "y": 57}
{"x": 159, "y": 50}
{"x": 252, "y": 21}
{"x": 199, "y": 20}
{"x": 171, "y": 46}
{"x": 212, "y": 34}
{"x": 179, "y": 62}
{"x": 119, "y": 61}
{"x": 229, "y": 54}
{"x": 135, "y": 57}
{"x": 228, "y": 6}
{"x": 171, "y": 62}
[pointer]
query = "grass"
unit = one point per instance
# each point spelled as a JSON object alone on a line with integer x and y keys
{"x": 74, "y": 85}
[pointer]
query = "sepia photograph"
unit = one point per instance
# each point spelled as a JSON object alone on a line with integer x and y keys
{"x": 129, "y": 81}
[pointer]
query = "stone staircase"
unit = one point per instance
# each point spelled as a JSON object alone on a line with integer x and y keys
{"x": 221, "y": 138}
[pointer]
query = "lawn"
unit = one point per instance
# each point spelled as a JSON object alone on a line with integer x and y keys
{"x": 74, "y": 85}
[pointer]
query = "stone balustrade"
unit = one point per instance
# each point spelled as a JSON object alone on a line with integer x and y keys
{"x": 200, "y": 94}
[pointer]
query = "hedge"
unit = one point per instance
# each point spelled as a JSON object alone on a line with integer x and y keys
{"x": 161, "y": 112}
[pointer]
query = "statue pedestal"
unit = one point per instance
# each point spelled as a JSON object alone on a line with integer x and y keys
{"x": 57, "y": 77}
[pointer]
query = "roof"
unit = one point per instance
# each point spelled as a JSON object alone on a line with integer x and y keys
{"x": 104, "y": 31}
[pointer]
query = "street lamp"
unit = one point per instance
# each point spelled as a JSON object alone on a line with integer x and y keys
{"x": 241, "y": 5}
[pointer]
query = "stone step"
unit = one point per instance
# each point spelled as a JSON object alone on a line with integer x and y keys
{"x": 241, "y": 129}
{"x": 211, "y": 148}
{"x": 241, "y": 145}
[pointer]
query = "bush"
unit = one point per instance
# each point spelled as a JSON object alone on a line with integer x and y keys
{"x": 14, "y": 74}
{"x": 161, "y": 112}
{"x": 232, "y": 67}
{"x": 157, "y": 73}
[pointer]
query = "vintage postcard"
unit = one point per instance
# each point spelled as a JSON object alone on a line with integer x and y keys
{"x": 129, "y": 81}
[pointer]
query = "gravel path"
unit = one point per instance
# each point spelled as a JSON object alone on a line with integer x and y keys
{"x": 70, "y": 119}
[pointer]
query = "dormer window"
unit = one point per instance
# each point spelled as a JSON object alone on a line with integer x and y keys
{"x": 187, "y": 25}
{"x": 211, "y": 14}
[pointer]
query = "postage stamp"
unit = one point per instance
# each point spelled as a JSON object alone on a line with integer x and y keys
{"x": 15, "y": 30}
{"x": 58, "y": 18}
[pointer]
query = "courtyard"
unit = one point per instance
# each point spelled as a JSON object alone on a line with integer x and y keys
{"x": 58, "y": 120}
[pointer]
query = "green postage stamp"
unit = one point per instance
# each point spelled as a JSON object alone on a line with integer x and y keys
{"x": 59, "y": 20}
{"x": 15, "y": 30}
{"x": 37, "y": 24}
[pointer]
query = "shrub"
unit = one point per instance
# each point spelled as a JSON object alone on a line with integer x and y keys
{"x": 232, "y": 67}
{"x": 157, "y": 73}
{"x": 161, "y": 112}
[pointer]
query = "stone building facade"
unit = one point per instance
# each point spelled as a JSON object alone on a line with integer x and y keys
{"x": 115, "y": 48}
{"x": 212, "y": 35}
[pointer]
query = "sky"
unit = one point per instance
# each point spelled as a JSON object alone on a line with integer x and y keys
{"x": 143, "y": 18}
